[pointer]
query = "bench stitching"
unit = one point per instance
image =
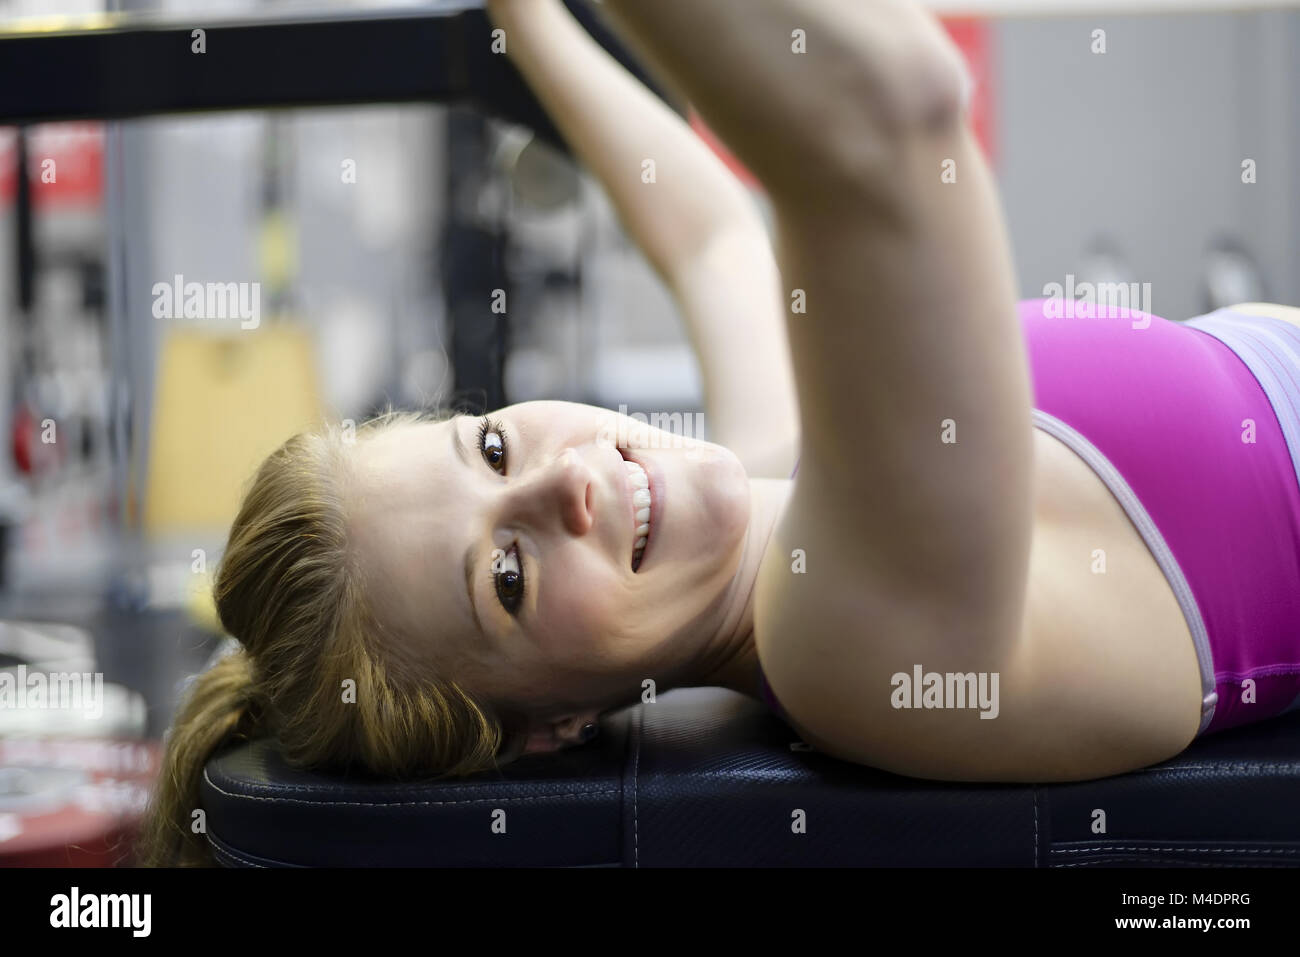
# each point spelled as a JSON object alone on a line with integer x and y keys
{"x": 1035, "y": 791}
{"x": 327, "y": 803}
{"x": 1198, "y": 850}
{"x": 636, "y": 767}
{"x": 1240, "y": 766}
{"x": 223, "y": 852}
{"x": 1148, "y": 860}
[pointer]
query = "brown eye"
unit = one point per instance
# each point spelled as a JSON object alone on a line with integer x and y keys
{"x": 492, "y": 443}
{"x": 508, "y": 573}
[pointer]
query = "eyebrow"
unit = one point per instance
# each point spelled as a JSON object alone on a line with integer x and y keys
{"x": 458, "y": 446}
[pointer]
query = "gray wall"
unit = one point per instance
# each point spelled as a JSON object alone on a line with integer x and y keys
{"x": 1141, "y": 148}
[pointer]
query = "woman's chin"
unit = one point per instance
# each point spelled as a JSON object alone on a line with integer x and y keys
{"x": 718, "y": 486}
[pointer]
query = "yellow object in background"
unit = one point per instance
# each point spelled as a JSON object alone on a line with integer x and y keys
{"x": 223, "y": 402}
{"x": 200, "y": 606}
{"x": 277, "y": 250}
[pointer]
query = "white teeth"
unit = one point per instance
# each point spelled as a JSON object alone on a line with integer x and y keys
{"x": 641, "y": 499}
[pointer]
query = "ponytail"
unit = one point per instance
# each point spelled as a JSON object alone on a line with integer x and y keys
{"x": 221, "y": 705}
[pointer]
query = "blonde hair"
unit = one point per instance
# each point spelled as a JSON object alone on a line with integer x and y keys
{"x": 289, "y": 588}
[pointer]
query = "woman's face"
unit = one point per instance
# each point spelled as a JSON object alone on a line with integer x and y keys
{"x": 501, "y": 548}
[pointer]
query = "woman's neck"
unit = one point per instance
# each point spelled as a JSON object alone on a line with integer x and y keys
{"x": 730, "y": 658}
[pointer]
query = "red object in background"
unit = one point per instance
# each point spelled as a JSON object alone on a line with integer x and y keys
{"x": 21, "y": 438}
{"x": 31, "y": 455}
{"x": 77, "y": 150}
{"x": 72, "y": 802}
{"x": 724, "y": 154}
{"x": 975, "y": 41}
{"x": 972, "y": 37}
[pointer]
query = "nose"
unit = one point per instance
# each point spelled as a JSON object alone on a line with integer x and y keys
{"x": 559, "y": 492}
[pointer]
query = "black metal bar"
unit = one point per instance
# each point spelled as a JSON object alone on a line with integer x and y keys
{"x": 25, "y": 248}
{"x": 472, "y": 267}
{"x": 141, "y": 66}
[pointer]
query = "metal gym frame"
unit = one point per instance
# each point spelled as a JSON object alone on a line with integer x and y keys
{"x": 120, "y": 66}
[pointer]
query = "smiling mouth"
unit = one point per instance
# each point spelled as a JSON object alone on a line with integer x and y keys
{"x": 642, "y": 496}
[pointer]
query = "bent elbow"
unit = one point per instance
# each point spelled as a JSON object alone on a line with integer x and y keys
{"x": 933, "y": 89}
{"x": 923, "y": 91}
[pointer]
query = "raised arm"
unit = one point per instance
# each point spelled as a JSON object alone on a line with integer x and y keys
{"x": 914, "y": 492}
{"x": 696, "y": 224}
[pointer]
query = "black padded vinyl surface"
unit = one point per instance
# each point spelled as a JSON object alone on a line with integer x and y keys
{"x": 707, "y": 777}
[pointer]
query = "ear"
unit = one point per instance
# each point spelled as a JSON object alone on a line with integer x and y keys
{"x": 565, "y": 733}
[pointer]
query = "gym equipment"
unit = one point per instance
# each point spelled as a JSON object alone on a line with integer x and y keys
{"x": 45, "y": 646}
{"x": 117, "y": 66}
{"x": 72, "y": 802}
{"x": 74, "y": 779}
{"x": 208, "y": 434}
{"x": 706, "y": 777}
{"x": 98, "y": 708}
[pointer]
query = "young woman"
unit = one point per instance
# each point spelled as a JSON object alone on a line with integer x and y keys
{"x": 1017, "y": 548}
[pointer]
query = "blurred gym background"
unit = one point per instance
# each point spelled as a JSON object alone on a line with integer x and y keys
{"x": 376, "y": 232}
